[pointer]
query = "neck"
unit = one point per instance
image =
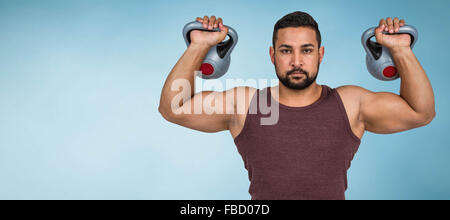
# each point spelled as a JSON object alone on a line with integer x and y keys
{"x": 296, "y": 98}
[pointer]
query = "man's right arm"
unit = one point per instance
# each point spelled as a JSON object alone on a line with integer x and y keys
{"x": 207, "y": 111}
{"x": 210, "y": 118}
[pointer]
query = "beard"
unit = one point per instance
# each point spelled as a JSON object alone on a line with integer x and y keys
{"x": 289, "y": 82}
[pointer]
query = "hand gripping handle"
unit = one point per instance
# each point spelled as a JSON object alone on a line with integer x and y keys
{"x": 374, "y": 48}
{"x": 223, "y": 48}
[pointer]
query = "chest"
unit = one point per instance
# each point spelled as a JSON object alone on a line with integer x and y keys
{"x": 351, "y": 106}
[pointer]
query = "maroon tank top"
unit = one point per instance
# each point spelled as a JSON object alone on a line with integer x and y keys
{"x": 305, "y": 155}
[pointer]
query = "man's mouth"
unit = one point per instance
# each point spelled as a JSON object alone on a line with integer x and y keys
{"x": 297, "y": 74}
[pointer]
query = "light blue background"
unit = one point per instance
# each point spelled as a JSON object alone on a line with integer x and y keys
{"x": 80, "y": 84}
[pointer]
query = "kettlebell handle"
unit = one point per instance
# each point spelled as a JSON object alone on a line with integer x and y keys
{"x": 369, "y": 33}
{"x": 223, "y": 48}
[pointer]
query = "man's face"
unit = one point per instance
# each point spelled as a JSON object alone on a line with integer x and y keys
{"x": 296, "y": 57}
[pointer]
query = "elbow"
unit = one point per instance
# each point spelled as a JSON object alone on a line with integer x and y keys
{"x": 168, "y": 115}
{"x": 431, "y": 118}
{"x": 428, "y": 118}
{"x": 165, "y": 114}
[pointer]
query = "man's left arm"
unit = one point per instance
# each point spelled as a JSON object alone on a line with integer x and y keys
{"x": 385, "y": 112}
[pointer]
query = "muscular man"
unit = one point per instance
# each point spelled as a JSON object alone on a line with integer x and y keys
{"x": 307, "y": 153}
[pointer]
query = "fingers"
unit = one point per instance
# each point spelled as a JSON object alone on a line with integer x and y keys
{"x": 219, "y": 21}
{"x": 382, "y": 26}
{"x": 210, "y": 23}
{"x": 223, "y": 30}
{"x": 379, "y": 31}
{"x": 391, "y": 25}
{"x": 396, "y": 25}
{"x": 205, "y": 21}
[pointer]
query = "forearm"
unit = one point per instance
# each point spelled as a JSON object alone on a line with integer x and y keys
{"x": 185, "y": 69}
{"x": 415, "y": 86}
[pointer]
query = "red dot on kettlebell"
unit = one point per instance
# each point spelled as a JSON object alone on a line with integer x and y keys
{"x": 207, "y": 69}
{"x": 390, "y": 71}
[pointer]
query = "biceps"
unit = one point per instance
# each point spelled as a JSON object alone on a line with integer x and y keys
{"x": 386, "y": 113}
{"x": 206, "y": 111}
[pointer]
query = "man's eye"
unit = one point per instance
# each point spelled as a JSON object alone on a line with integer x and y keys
{"x": 285, "y": 51}
{"x": 307, "y": 51}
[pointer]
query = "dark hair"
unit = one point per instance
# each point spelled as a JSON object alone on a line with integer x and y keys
{"x": 296, "y": 19}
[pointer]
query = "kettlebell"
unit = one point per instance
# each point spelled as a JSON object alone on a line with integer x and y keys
{"x": 379, "y": 60}
{"x": 218, "y": 58}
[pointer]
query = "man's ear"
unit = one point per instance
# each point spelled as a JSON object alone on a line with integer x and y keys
{"x": 321, "y": 53}
{"x": 272, "y": 54}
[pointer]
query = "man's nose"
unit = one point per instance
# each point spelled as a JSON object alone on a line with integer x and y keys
{"x": 297, "y": 60}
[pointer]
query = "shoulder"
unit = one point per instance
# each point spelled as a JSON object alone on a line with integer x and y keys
{"x": 242, "y": 96}
{"x": 247, "y": 89}
{"x": 352, "y": 92}
{"x": 352, "y": 97}
{"x": 243, "y": 91}
{"x": 350, "y": 88}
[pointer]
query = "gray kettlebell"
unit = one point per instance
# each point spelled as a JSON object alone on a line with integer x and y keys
{"x": 218, "y": 58}
{"x": 379, "y": 60}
